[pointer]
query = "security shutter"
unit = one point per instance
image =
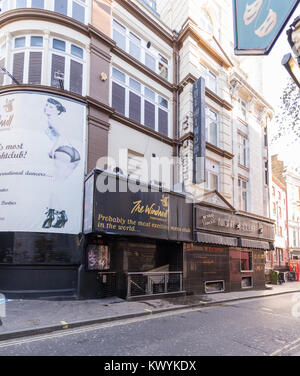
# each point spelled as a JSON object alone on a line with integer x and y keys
{"x": 2, "y": 65}
{"x": 149, "y": 114}
{"x": 18, "y": 66}
{"x": 58, "y": 67}
{"x": 135, "y": 107}
{"x": 118, "y": 98}
{"x": 35, "y": 68}
{"x": 76, "y": 77}
{"x": 163, "y": 122}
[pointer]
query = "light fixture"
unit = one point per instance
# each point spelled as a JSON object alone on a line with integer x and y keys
{"x": 292, "y": 67}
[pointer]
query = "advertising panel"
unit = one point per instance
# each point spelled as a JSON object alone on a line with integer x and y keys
{"x": 42, "y": 151}
{"x": 157, "y": 215}
{"x": 258, "y": 24}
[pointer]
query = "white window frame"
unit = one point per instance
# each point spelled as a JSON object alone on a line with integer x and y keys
{"x": 243, "y": 152}
{"x": 27, "y": 49}
{"x": 212, "y": 168}
{"x": 49, "y": 5}
{"x": 209, "y": 111}
{"x": 68, "y": 57}
{"x": 207, "y": 75}
{"x": 241, "y": 190}
{"x": 143, "y": 96}
{"x": 242, "y": 109}
{"x": 145, "y": 48}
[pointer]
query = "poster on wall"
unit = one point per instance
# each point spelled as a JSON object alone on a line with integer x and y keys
{"x": 42, "y": 151}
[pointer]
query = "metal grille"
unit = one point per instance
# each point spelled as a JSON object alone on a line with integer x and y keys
{"x": 106, "y": 284}
{"x": 142, "y": 284}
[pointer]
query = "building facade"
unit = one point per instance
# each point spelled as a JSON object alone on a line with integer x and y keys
{"x": 124, "y": 77}
{"x": 279, "y": 258}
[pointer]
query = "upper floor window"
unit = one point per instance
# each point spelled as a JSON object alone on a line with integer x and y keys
{"x": 212, "y": 127}
{"x": 243, "y": 194}
{"x": 28, "y": 59}
{"x": 140, "y": 49}
{"x": 151, "y": 5}
{"x": 210, "y": 78}
{"x": 212, "y": 175}
{"x": 243, "y": 150}
{"x": 66, "y": 66}
{"x": 242, "y": 109}
{"x": 62, "y": 67}
{"x": 139, "y": 103}
{"x": 76, "y": 9}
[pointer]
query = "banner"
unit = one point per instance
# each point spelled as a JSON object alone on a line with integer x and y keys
{"x": 42, "y": 152}
{"x": 258, "y": 24}
{"x": 140, "y": 213}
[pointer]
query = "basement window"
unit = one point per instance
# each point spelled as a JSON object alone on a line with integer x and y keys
{"x": 214, "y": 286}
{"x": 247, "y": 282}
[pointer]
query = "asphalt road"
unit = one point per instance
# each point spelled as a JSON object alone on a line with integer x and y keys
{"x": 257, "y": 327}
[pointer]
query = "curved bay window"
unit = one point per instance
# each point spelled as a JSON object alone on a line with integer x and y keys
{"x": 76, "y": 9}
{"x": 38, "y": 60}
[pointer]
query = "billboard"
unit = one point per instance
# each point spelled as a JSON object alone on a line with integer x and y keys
{"x": 258, "y": 24}
{"x": 141, "y": 213}
{"x": 42, "y": 153}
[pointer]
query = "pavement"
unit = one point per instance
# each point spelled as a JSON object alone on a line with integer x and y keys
{"x": 32, "y": 317}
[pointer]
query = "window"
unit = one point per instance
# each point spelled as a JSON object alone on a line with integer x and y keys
{"x": 265, "y": 136}
{"x": 140, "y": 49}
{"x": 274, "y": 208}
{"x": 2, "y": 62}
{"x": 279, "y": 212}
{"x": 139, "y": 103}
{"x": 242, "y": 109}
{"x": 135, "y": 165}
{"x": 243, "y": 150}
{"x": 273, "y": 191}
{"x": 246, "y": 261}
{"x": 210, "y": 78}
{"x": 67, "y": 66}
{"x": 28, "y": 59}
{"x": 212, "y": 127}
{"x": 214, "y": 286}
{"x": 212, "y": 175}
{"x": 266, "y": 165}
{"x": 247, "y": 282}
{"x": 243, "y": 194}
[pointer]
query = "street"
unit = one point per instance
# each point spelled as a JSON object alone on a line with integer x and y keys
{"x": 254, "y": 327}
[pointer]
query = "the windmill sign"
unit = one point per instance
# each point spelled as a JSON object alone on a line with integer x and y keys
{"x": 258, "y": 24}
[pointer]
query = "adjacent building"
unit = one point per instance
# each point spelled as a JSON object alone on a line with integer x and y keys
{"x": 143, "y": 95}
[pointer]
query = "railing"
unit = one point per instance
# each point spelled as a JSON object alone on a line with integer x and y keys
{"x": 150, "y": 283}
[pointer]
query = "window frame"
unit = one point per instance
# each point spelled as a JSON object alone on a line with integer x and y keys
{"x": 144, "y": 49}
{"x": 144, "y": 97}
{"x": 250, "y": 262}
{"x": 209, "y": 110}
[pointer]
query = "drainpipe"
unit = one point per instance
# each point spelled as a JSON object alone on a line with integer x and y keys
{"x": 176, "y": 106}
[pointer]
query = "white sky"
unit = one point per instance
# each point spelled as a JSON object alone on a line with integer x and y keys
{"x": 276, "y": 77}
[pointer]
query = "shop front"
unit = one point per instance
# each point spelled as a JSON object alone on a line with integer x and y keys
{"x": 134, "y": 236}
{"x": 228, "y": 252}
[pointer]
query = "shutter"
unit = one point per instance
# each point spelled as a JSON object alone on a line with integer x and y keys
{"x": 76, "y": 77}
{"x": 163, "y": 122}
{"x": 135, "y": 107}
{"x": 35, "y": 68}
{"x": 118, "y": 98}
{"x": 61, "y": 6}
{"x": 18, "y": 66}
{"x": 58, "y": 66}
{"x": 2, "y": 65}
{"x": 149, "y": 114}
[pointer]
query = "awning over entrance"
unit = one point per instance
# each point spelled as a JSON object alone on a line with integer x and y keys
{"x": 216, "y": 239}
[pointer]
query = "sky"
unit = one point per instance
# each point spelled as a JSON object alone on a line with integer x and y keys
{"x": 276, "y": 77}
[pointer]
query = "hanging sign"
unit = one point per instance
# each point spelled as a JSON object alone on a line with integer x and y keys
{"x": 258, "y": 24}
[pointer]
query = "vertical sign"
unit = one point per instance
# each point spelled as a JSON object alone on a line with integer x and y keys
{"x": 199, "y": 131}
{"x": 258, "y": 24}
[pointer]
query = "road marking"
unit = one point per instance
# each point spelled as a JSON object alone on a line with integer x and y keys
{"x": 288, "y": 347}
{"x": 65, "y": 324}
{"x": 86, "y": 329}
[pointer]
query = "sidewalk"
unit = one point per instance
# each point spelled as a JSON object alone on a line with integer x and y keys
{"x": 32, "y": 317}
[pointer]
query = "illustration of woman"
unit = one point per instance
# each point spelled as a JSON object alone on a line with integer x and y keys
{"x": 65, "y": 159}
